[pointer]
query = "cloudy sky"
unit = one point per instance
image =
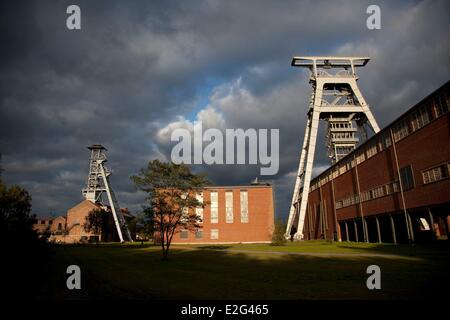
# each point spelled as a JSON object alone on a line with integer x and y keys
{"x": 138, "y": 69}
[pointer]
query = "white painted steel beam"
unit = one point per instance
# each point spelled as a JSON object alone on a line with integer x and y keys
{"x": 335, "y": 86}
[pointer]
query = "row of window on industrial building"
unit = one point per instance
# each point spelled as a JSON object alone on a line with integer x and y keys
{"x": 229, "y": 210}
{"x": 424, "y": 114}
{"x": 213, "y": 234}
{"x": 430, "y": 175}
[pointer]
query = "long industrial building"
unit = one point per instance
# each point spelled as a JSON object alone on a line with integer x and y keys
{"x": 394, "y": 187}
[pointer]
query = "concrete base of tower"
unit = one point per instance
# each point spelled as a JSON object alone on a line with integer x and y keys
{"x": 298, "y": 236}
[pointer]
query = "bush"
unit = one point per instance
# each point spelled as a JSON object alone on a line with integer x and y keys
{"x": 278, "y": 238}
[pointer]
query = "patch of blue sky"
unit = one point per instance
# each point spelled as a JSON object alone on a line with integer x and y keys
{"x": 203, "y": 94}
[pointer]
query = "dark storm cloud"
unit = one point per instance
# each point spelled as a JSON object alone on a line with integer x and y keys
{"x": 135, "y": 67}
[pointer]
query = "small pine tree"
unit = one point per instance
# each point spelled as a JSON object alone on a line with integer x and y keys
{"x": 278, "y": 238}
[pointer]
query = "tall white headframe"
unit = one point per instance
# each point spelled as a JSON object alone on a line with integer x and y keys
{"x": 336, "y": 99}
{"x": 98, "y": 184}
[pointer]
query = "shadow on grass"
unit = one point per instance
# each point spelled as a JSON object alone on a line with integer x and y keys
{"x": 131, "y": 273}
{"x": 214, "y": 247}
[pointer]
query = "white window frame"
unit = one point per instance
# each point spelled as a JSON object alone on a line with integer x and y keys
{"x": 214, "y": 234}
{"x": 199, "y": 210}
{"x": 229, "y": 206}
{"x": 214, "y": 207}
{"x": 187, "y": 234}
{"x": 196, "y": 234}
{"x": 244, "y": 206}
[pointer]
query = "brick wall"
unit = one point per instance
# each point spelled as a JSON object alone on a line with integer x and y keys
{"x": 422, "y": 149}
{"x": 76, "y": 218}
{"x": 260, "y": 223}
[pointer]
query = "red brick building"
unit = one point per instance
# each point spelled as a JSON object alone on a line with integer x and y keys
{"x": 76, "y": 219}
{"x": 395, "y": 187}
{"x": 234, "y": 214}
{"x": 55, "y": 227}
{"x": 71, "y": 228}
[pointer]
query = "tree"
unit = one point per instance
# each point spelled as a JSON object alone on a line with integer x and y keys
{"x": 278, "y": 235}
{"x": 26, "y": 255}
{"x": 16, "y": 220}
{"x": 143, "y": 225}
{"x": 96, "y": 222}
{"x": 171, "y": 199}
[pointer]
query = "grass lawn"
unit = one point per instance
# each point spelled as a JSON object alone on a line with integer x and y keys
{"x": 299, "y": 270}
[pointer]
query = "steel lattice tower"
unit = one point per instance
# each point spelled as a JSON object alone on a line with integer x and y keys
{"x": 98, "y": 184}
{"x": 336, "y": 99}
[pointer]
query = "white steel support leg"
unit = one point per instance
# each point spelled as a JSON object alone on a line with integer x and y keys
{"x": 311, "y": 147}
{"x": 364, "y": 106}
{"x": 328, "y": 90}
{"x": 111, "y": 203}
{"x": 299, "y": 179}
